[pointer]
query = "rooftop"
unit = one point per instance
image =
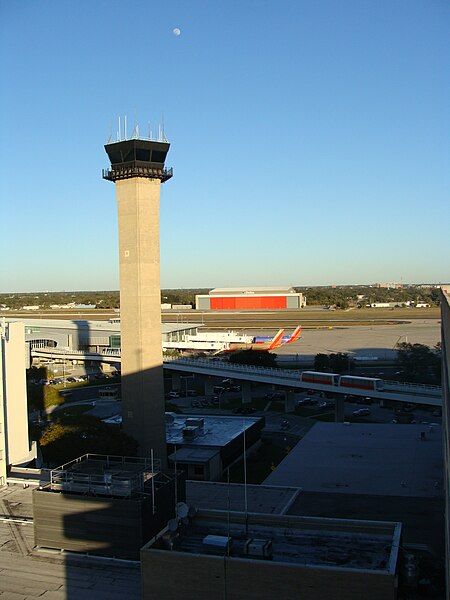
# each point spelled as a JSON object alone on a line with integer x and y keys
{"x": 381, "y": 459}
{"x": 193, "y": 455}
{"x": 253, "y": 290}
{"x": 100, "y": 474}
{"x": 346, "y": 544}
{"x": 104, "y": 326}
{"x": 267, "y": 499}
{"x": 27, "y": 572}
{"x": 217, "y": 430}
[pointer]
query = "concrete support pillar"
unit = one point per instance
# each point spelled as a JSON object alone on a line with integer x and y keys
{"x": 176, "y": 382}
{"x": 339, "y": 409}
{"x": 289, "y": 400}
{"x": 209, "y": 386}
{"x": 246, "y": 392}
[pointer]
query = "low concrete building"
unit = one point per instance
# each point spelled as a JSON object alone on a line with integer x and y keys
{"x": 220, "y": 555}
{"x": 357, "y": 458}
{"x": 204, "y": 446}
{"x": 377, "y": 471}
{"x": 105, "y": 505}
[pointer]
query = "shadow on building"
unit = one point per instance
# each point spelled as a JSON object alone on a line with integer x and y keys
{"x": 100, "y": 510}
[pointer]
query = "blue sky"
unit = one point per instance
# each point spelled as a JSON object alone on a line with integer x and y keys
{"x": 309, "y": 139}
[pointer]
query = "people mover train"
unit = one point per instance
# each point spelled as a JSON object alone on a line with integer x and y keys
{"x": 342, "y": 381}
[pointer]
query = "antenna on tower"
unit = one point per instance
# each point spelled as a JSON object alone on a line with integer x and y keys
{"x": 163, "y": 135}
{"x": 125, "y": 118}
{"x": 149, "y": 131}
{"x": 110, "y": 133}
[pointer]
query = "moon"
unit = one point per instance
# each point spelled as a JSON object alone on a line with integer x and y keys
{"x": 176, "y": 31}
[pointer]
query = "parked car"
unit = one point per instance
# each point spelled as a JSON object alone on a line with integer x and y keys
{"x": 306, "y": 402}
{"x": 361, "y": 412}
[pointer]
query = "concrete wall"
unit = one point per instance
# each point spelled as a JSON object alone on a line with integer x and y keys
{"x": 104, "y": 526}
{"x": 203, "y": 577}
{"x": 445, "y": 341}
{"x": 202, "y": 302}
{"x": 140, "y": 312}
{"x": 14, "y": 447}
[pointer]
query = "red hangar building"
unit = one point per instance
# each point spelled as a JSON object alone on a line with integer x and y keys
{"x": 246, "y": 298}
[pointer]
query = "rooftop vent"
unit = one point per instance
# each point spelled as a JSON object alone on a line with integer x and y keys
{"x": 190, "y": 432}
{"x": 258, "y": 548}
{"x": 195, "y": 422}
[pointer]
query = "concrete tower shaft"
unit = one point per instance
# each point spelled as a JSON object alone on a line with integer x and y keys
{"x": 137, "y": 168}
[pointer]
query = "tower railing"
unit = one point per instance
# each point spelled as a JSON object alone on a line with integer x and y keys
{"x": 135, "y": 170}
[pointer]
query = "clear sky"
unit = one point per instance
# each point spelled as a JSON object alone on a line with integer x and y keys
{"x": 310, "y": 139}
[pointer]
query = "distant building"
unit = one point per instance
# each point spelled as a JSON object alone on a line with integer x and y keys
{"x": 389, "y": 286}
{"x": 250, "y": 298}
{"x": 385, "y": 304}
{"x": 422, "y": 305}
{"x": 33, "y": 307}
{"x": 14, "y": 441}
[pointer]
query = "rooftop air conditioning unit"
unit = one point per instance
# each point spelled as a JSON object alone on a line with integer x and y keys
{"x": 217, "y": 544}
{"x": 189, "y": 432}
{"x": 258, "y": 548}
{"x": 195, "y": 422}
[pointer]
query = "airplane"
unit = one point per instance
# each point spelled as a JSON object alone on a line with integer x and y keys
{"x": 268, "y": 343}
{"x": 286, "y": 339}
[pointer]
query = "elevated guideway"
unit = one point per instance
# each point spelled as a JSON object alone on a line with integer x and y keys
{"x": 288, "y": 379}
{"x": 402, "y": 392}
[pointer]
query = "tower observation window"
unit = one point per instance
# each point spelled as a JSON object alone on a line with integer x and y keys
{"x": 158, "y": 157}
{"x": 129, "y": 156}
{"x": 142, "y": 154}
{"x": 115, "y": 158}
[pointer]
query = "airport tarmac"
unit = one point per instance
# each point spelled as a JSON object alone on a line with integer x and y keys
{"x": 376, "y": 341}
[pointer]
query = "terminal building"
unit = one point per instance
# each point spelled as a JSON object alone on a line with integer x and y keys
{"x": 250, "y": 298}
{"x": 92, "y": 336}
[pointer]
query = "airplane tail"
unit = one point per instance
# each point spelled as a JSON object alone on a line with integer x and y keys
{"x": 295, "y": 335}
{"x": 276, "y": 340}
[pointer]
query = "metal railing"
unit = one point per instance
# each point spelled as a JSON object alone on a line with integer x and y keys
{"x": 219, "y": 365}
{"x": 111, "y": 478}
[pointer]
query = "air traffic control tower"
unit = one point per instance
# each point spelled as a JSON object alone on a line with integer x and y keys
{"x": 137, "y": 169}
